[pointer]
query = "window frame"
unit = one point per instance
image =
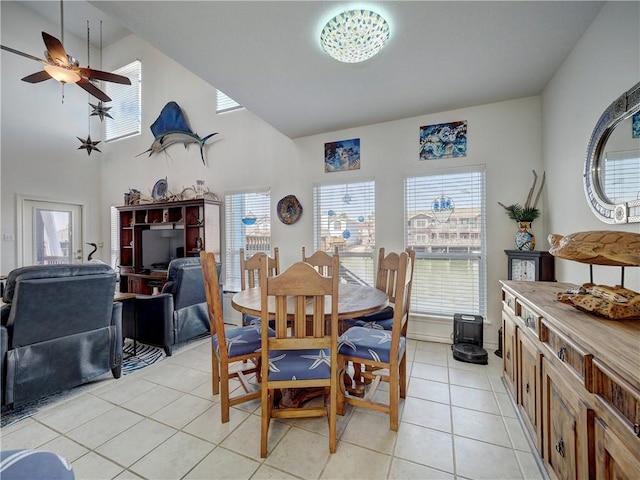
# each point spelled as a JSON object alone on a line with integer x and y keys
{"x": 122, "y": 94}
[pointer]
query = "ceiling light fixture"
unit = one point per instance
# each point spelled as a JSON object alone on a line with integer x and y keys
{"x": 62, "y": 74}
{"x": 354, "y": 36}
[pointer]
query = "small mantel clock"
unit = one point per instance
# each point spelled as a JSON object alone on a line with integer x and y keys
{"x": 533, "y": 266}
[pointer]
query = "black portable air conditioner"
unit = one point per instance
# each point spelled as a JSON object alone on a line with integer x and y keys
{"x": 467, "y": 339}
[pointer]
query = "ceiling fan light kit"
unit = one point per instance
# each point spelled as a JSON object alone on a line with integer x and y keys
{"x": 61, "y": 74}
{"x": 354, "y": 36}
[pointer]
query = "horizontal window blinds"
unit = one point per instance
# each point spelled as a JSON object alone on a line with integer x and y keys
{"x": 344, "y": 217}
{"x": 445, "y": 225}
{"x": 248, "y": 226}
{"x": 224, "y": 103}
{"x": 126, "y": 104}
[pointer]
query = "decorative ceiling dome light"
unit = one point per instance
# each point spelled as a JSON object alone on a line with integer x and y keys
{"x": 354, "y": 36}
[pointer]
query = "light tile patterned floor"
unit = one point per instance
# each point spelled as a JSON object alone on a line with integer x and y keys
{"x": 162, "y": 422}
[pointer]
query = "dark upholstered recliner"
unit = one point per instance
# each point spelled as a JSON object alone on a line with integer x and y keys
{"x": 179, "y": 313}
{"x": 60, "y": 329}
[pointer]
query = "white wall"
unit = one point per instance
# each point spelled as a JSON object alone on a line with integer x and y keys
{"x": 604, "y": 64}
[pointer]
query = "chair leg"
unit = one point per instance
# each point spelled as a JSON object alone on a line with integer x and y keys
{"x": 403, "y": 377}
{"x": 341, "y": 387}
{"x": 224, "y": 393}
{"x": 394, "y": 399}
{"x": 265, "y": 419}
{"x": 117, "y": 371}
{"x": 215, "y": 374}
{"x": 333, "y": 407}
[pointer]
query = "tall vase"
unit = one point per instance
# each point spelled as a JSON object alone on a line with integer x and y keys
{"x": 525, "y": 240}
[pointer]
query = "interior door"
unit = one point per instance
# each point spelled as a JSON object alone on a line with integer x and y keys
{"x": 51, "y": 233}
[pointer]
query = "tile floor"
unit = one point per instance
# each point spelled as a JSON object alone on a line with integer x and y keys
{"x": 162, "y": 422}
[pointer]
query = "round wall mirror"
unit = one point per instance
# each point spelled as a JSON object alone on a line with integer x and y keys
{"x": 612, "y": 166}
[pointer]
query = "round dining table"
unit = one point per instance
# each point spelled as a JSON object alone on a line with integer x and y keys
{"x": 353, "y": 301}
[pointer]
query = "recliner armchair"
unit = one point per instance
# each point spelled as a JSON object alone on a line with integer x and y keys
{"x": 179, "y": 313}
{"x": 60, "y": 329}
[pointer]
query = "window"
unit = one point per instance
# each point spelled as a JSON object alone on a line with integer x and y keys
{"x": 450, "y": 271}
{"x": 344, "y": 216}
{"x": 248, "y": 226}
{"x": 115, "y": 238}
{"x": 126, "y": 104}
{"x": 225, "y": 103}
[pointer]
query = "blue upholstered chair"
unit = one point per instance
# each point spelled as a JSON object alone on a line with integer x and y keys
{"x": 302, "y": 354}
{"x": 229, "y": 346}
{"x": 60, "y": 329}
{"x": 179, "y": 313}
{"x": 34, "y": 465}
{"x": 250, "y": 269}
{"x": 378, "y": 349}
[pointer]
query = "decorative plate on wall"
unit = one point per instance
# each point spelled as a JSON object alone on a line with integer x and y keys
{"x": 289, "y": 209}
{"x": 159, "y": 189}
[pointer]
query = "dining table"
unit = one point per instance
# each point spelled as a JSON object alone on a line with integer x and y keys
{"x": 354, "y": 300}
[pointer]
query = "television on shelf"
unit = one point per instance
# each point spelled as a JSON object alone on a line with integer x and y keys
{"x": 159, "y": 247}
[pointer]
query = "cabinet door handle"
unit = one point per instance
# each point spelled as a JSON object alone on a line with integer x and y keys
{"x": 560, "y": 447}
{"x": 509, "y": 355}
{"x": 562, "y": 353}
{"x": 636, "y": 429}
{"x": 508, "y": 302}
{"x": 527, "y": 387}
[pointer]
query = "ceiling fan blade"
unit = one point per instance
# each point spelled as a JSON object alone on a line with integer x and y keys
{"x": 93, "y": 90}
{"x": 18, "y": 52}
{"x": 105, "y": 76}
{"x": 56, "y": 50}
{"x": 37, "y": 77}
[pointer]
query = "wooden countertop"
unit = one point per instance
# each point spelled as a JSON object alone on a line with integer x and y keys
{"x": 616, "y": 343}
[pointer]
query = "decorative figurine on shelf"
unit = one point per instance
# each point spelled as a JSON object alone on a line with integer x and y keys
{"x": 198, "y": 243}
{"x": 525, "y": 215}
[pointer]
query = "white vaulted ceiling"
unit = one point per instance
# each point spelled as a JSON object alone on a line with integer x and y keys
{"x": 441, "y": 55}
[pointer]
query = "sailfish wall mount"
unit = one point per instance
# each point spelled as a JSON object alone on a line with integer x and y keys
{"x": 171, "y": 127}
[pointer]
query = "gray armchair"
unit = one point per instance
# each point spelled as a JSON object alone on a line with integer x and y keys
{"x": 60, "y": 329}
{"x": 179, "y": 313}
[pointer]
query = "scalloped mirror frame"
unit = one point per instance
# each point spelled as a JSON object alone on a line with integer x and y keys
{"x": 627, "y": 212}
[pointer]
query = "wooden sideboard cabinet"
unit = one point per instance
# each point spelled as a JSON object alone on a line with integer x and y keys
{"x": 575, "y": 380}
{"x": 192, "y": 225}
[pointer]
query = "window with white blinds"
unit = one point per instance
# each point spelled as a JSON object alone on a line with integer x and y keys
{"x": 225, "y": 103}
{"x": 621, "y": 173}
{"x": 344, "y": 216}
{"x": 115, "y": 238}
{"x": 445, "y": 225}
{"x": 248, "y": 226}
{"x": 126, "y": 104}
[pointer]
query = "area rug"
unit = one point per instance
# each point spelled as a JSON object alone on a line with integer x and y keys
{"x": 145, "y": 356}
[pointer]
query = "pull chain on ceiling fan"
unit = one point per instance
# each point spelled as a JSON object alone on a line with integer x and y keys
{"x": 66, "y": 69}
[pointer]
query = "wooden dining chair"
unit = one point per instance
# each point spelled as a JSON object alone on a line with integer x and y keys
{"x": 382, "y": 352}
{"x": 386, "y": 279}
{"x": 321, "y": 261}
{"x": 230, "y": 346}
{"x": 250, "y": 270}
{"x": 298, "y": 357}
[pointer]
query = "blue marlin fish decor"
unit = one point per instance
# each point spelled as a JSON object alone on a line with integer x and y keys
{"x": 171, "y": 127}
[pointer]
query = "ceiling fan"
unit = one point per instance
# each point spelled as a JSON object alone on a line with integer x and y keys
{"x": 66, "y": 69}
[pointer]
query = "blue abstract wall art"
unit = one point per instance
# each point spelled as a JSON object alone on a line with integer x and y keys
{"x": 444, "y": 140}
{"x": 342, "y": 155}
{"x": 636, "y": 125}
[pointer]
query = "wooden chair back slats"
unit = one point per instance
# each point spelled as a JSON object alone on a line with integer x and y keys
{"x": 321, "y": 261}
{"x": 251, "y": 267}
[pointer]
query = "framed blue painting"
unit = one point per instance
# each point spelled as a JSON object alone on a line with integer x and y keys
{"x": 342, "y": 155}
{"x": 444, "y": 140}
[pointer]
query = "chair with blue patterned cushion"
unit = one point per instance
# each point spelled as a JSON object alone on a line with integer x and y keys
{"x": 229, "y": 345}
{"x": 298, "y": 356}
{"x": 382, "y": 352}
{"x": 250, "y": 269}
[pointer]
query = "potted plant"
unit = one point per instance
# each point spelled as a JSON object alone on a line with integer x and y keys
{"x": 525, "y": 215}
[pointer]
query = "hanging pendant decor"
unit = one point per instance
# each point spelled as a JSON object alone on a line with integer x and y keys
{"x": 100, "y": 110}
{"x": 442, "y": 208}
{"x": 88, "y": 145}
